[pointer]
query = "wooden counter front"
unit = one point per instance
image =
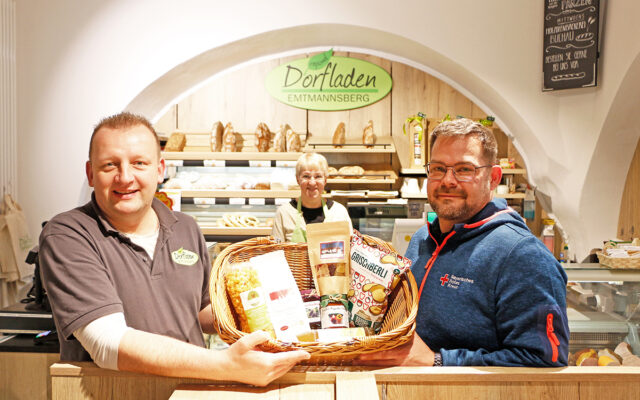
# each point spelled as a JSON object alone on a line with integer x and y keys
{"x": 87, "y": 381}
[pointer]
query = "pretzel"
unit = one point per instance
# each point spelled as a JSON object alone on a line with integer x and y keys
{"x": 249, "y": 220}
{"x": 238, "y": 221}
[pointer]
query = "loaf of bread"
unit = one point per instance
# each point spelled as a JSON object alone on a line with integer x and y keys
{"x": 280, "y": 139}
{"x": 623, "y": 350}
{"x": 293, "y": 141}
{"x": 351, "y": 170}
{"x": 368, "y": 136}
{"x": 229, "y": 138}
{"x": 176, "y": 142}
{"x": 339, "y": 136}
{"x": 332, "y": 171}
{"x": 216, "y": 136}
{"x": 263, "y": 137}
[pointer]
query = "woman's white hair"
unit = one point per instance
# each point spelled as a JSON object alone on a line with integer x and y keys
{"x": 309, "y": 161}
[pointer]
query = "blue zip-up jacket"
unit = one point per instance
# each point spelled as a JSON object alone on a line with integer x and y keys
{"x": 494, "y": 294}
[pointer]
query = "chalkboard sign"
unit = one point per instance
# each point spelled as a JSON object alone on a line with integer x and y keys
{"x": 570, "y": 52}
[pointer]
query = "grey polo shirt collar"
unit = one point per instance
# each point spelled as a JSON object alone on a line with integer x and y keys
{"x": 165, "y": 216}
{"x": 166, "y": 220}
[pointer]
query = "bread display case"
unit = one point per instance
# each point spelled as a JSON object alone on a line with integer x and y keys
{"x": 603, "y": 307}
{"x": 230, "y": 222}
{"x": 232, "y": 200}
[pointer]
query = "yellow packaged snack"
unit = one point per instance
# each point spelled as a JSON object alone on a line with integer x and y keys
{"x": 248, "y": 298}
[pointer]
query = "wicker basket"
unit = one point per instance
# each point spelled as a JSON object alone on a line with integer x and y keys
{"x": 618, "y": 262}
{"x": 397, "y": 328}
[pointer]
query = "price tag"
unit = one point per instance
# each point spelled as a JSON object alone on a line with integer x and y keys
{"x": 256, "y": 201}
{"x": 204, "y": 200}
{"x": 173, "y": 163}
{"x": 289, "y": 164}
{"x": 236, "y": 200}
{"x": 213, "y": 163}
{"x": 280, "y": 201}
{"x": 260, "y": 163}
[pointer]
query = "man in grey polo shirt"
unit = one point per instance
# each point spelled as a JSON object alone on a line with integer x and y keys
{"x": 127, "y": 278}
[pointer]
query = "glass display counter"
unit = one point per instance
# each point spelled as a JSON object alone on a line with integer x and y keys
{"x": 603, "y": 306}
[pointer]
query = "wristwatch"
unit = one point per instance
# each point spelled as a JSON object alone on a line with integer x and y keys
{"x": 437, "y": 360}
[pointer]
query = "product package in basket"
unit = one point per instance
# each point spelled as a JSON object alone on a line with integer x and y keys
{"x": 374, "y": 274}
{"x": 328, "y": 247}
{"x": 286, "y": 309}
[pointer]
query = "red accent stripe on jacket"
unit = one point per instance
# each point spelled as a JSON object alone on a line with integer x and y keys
{"x": 432, "y": 260}
{"x": 489, "y": 218}
{"x": 553, "y": 339}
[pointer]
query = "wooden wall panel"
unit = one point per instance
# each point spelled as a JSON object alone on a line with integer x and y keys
{"x": 453, "y": 102}
{"x": 413, "y": 92}
{"x": 629, "y": 219}
{"x": 240, "y": 97}
{"x": 168, "y": 122}
{"x": 323, "y": 123}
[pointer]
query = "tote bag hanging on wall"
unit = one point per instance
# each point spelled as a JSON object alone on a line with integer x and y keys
{"x": 15, "y": 242}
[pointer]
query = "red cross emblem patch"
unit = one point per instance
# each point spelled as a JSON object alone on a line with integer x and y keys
{"x": 444, "y": 279}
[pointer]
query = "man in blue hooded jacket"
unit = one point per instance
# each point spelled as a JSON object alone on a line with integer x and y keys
{"x": 490, "y": 292}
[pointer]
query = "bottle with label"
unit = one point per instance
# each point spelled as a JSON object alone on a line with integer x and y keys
{"x": 564, "y": 253}
{"x": 548, "y": 235}
{"x": 417, "y": 145}
{"x": 529, "y": 206}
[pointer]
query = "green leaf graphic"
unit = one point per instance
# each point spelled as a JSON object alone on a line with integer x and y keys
{"x": 320, "y": 60}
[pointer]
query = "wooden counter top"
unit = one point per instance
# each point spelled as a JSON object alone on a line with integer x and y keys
{"x": 86, "y": 380}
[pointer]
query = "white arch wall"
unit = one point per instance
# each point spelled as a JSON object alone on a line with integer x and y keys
{"x": 81, "y": 60}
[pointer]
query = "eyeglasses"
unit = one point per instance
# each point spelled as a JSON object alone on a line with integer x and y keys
{"x": 308, "y": 177}
{"x": 463, "y": 172}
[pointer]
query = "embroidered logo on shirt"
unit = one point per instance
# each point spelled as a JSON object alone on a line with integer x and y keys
{"x": 454, "y": 281}
{"x": 184, "y": 257}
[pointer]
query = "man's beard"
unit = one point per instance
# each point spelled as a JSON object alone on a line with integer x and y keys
{"x": 450, "y": 211}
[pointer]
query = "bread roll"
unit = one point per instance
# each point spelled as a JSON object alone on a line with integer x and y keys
{"x": 229, "y": 138}
{"x": 368, "y": 137}
{"x": 351, "y": 170}
{"x": 216, "y": 136}
{"x": 262, "y": 186}
{"x": 263, "y": 137}
{"x": 176, "y": 142}
{"x": 339, "y": 136}
{"x": 293, "y": 141}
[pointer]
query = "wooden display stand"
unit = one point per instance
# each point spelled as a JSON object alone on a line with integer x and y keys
{"x": 87, "y": 381}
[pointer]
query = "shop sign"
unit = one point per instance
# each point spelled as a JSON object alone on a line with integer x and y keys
{"x": 326, "y": 82}
{"x": 570, "y": 51}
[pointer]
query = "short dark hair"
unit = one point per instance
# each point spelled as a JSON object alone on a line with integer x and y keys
{"x": 123, "y": 120}
{"x": 466, "y": 127}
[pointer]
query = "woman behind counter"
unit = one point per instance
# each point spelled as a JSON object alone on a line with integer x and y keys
{"x": 290, "y": 222}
